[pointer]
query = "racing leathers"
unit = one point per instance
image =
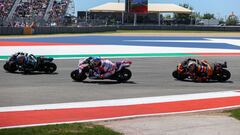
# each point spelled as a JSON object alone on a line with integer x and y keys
{"x": 203, "y": 72}
{"x": 27, "y": 62}
{"x": 105, "y": 69}
{"x": 13, "y": 58}
{"x": 198, "y": 70}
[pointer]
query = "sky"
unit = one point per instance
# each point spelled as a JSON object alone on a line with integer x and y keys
{"x": 221, "y": 8}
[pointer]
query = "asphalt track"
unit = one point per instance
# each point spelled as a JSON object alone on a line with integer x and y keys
{"x": 151, "y": 77}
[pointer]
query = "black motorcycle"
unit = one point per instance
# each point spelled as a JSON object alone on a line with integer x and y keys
{"x": 43, "y": 64}
{"x": 220, "y": 73}
{"x": 122, "y": 74}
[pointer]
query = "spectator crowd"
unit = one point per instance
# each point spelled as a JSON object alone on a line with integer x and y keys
{"x": 31, "y": 8}
{"x": 29, "y": 11}
{"x": 5, "y": 7}
{"x": 58, "y": 11}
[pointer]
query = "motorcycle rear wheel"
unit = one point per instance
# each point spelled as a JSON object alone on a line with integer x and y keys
{"x": 50, "y": 68}
{"x": 124, "y": 75}
{"x": 225, "y": 76}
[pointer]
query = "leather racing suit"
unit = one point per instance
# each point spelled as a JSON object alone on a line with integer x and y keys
{"x": 105, "y": 69}
{"x": 201, "y": 70}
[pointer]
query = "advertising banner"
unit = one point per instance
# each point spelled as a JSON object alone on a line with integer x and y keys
{"x": 137, "y": 6}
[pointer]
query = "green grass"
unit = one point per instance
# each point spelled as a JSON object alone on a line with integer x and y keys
{"x": 62, "y": 129}
{"x": 234, "y": 113}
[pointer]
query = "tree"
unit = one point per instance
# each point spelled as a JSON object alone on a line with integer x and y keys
{"x": 221, "y": 21}
{"x": 187, "y": 6}
{"x": 208, "y": 16}
{"x": 196, "y": 15}
{"x": 232, "y": 20}
{"x": 167, "y": 17}
{"x": 183, "y": 18}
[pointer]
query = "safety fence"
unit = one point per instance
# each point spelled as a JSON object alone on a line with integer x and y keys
{"x": 53, "y": 30}
{"x": 186, "y": 27}
{"x": 92, "y": 29}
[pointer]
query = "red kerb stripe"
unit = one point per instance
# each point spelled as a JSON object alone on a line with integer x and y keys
{"x": 80, "y": 114}
{"x": 219, "y": 54}
{"x": 13, "y": 43}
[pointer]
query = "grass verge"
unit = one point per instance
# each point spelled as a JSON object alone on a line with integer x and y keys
{"x": 234, "y": 113}
{"x": 61, "y": 129}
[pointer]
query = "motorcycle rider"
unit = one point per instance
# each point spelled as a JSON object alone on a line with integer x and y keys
{"x": 199, "y": 70}
{"x": 26, "y": 61}
{"x": 103, "y": 68}
{"x": 183, "y": 67}
{"x": 13, "y": 58}
{"x": 85, "y": 61}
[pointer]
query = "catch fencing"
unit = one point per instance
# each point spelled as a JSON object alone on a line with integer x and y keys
{"x": 92, "y": 29}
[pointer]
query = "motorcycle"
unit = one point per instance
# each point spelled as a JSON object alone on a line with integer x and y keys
{"x": 43, "y": 64}
{"x": 220, "y": 73}
{"x": 122, "y": 73}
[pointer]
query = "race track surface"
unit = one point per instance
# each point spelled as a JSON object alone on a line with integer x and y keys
{"x": 151, "y": 77}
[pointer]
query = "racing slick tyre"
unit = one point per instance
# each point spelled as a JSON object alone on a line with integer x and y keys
{"x": 225, "y": 76}
{"x": 10, "y": 67}
{"x": 5, "y": 66}
{"x": 124, "y": 75}
{"x": 50, "y": 68}
{"x": 178, "y": 76}
{"x": 76, "y": 76}
{"x": 175, "y": 74}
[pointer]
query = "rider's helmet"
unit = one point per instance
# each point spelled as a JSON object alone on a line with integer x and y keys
{"x": 192, "y": 67}
{"x": 96, "y": 61}
{"x": 20, "y": 59}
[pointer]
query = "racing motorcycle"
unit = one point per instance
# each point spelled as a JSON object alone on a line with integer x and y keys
{"x": 220, "y": 73}
{"x": 44, "y": 64}
{"x": 122, "y": 73}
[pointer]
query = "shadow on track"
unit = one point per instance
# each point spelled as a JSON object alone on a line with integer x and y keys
{"x": 106, "y": 82}
{"x": 190, "y": 81}
{"x": 34, "y": 73}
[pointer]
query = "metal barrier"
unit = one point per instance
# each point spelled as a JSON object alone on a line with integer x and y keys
{"x": 54, "y": 30}
{"x": 11, "y": 31}
{"x": 193, "y": 28}
{"x": 59, "y": 30}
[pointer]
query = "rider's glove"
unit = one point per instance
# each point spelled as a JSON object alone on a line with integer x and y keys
{"x": 96, "y": 74}
{"x": 101, "y": 76}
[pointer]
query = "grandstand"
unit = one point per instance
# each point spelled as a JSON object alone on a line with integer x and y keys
{"x": 19, "y": 13}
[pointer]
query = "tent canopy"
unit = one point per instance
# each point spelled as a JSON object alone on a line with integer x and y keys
{"x": 152, "y": 8}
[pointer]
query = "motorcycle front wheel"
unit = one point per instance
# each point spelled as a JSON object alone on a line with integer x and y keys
{"x": 178, "y": 76}
{"x": 5, "y": 66}
{"x": 10, "y": 67}
{"x": 76, "y": 76}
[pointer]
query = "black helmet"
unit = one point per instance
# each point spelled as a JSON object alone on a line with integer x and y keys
{"x": 20, "y": 59}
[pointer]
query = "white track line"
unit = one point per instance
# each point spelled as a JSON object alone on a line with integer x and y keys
{"x": 105, "y": 49}
{"x": 122, "y": 102}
